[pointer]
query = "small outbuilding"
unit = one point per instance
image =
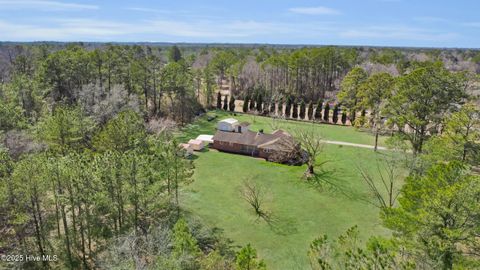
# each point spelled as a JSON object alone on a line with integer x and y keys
{"x": 188, "y": 148}
{"x": 197, "y": 145}
{"x": 206, "y": 139}
{"x": 228, "y": 124}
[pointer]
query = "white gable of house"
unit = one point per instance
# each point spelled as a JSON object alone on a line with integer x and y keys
{"x": 230, "y": 121}
{"x": 228, "y": 124}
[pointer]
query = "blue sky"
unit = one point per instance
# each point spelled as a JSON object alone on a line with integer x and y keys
{"x": 421, "y": 23}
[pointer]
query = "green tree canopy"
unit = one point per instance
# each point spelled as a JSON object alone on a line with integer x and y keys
{"x": 422, "y": 99}
{"x": 349, "y": 88}
{"x": 174, "y": 54}
{"x": 247, "y": 259}
{"x": 122, "y": 133}
{"x": 65, "y": 129}
{"x": 438, "y": 215}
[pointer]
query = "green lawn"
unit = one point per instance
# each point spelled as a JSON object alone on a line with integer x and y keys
{"x": 300, "y": 211}
{"x": 328, "y": 132}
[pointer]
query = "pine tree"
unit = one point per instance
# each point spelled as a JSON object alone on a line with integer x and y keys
{"x": 326, "y": 112}
{"x": 245, "y": 104}
{"x": 183, "y": 241}
{"x": 288, "y": 107}
{"x": 352, "y": 115}
{"x": 225, "y": 103}
{"x": 335, "y": 114}
{"x": 272, "y": 107}
{"x": 295, "y": 110}
{"x": 344, "y": 117}
{"x": 175, "y": 54}
{"x": 318, "y": 111}
{"x": 310, "y": 111}
{"x": 231, "y": 104}
{"x": 247, "y": 259}
{"x": 259, "y": 102}
{"x": 251, "y": 106}
{"x": 302, "y": 110}
{"x": 219, "y": 101}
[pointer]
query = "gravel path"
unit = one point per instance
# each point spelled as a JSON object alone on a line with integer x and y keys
{"x": 355, "y": 145}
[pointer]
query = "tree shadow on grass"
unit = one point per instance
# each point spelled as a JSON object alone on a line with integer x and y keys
{"x": 279, "y": 225}
{"x": 326, "y": 180}
{"x": 282, "y": 225}
{"x": 332, "y": 181}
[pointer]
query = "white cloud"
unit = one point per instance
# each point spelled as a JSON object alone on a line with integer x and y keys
{"x": 207, "y": 30}
{"x": 91, "y": 29}
{"x": 150, "y": 10}
{"x": 314, "y": 10}
{"x": 43, "y": 5}
{"x": 430, "y": 19}
{"x": 397, "y": 33}
{"x": 472, "y": 24}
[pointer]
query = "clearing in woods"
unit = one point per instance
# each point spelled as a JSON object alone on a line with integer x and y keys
{"x": 300, "y": 211}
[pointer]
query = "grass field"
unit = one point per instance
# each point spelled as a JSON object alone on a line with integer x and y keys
{"x": 300, "y": 211}
{"x": 326, "y": 131}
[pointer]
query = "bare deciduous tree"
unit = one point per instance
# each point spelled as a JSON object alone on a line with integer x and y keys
{"x": 254, "y": 195}
{"x": 384, "y": 186}
{"x": 313, "y": 144}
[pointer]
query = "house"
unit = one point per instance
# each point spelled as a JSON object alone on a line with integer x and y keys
{"x": 234, "y": 137}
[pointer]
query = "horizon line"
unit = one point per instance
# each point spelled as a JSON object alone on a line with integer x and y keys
{"x": 244, "y": 43}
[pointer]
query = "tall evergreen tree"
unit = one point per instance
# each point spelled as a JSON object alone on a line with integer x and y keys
{"x": 225, "y": 103}
{"x": 272, "y": 107}
{"x": 353, "y": 115}
{"x": 247, "y": 259}
{"x": 231, "y": 104}
{"x": 351, "y": 86}
{"x": 318, "y": 110}
{"x": 344, "y": 117}
{"x": 174, "y": 54}
{"x": 245, "y": 104}
{"x": 209, "y": 85}
{"x": 335, "y": 114}
{"x": 326, "y": 112}
{"x": 288, "y": 107}
{"x": 259, "y": 102}
{"x": 184, "y": 242}
{"x": 438, "y": 215}
{"x": 219, "y": 101}
{"x": 295, "y": 109}
{"x": 310, "y": 111}
{"x": 66, "y": 129}
{"x": 302, "y": 110}
{"x": 280, "y": 107}
{"x": 376, "y": 90}
{"x": 251, "y": 106}
{"x": 122, "y": 133}
{"x": 423, "y": 98}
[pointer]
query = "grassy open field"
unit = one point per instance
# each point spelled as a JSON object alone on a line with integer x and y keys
{"x": 300, "y": 211}
{"x": 326, "y": 131}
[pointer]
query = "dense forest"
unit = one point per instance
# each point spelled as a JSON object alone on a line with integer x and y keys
{"x": 91, "y": 169}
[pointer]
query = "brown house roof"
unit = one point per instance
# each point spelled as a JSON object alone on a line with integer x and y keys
{"x": 251, "y": 138}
